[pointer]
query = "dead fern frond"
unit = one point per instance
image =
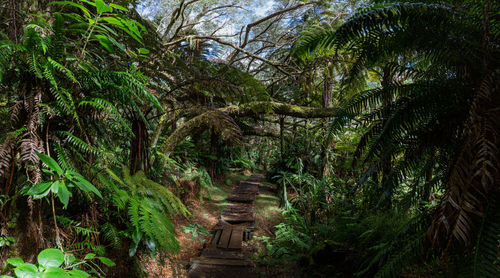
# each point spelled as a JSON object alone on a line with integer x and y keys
{"x": 474, "y": 173}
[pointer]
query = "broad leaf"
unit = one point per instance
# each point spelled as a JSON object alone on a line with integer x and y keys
{"x": 75, "y": 273}
{"x": 26, "y": 270}
{"x": 55, "y": 187}
{"x": 106, "y": 261}
{"x": 39, "y": 188}
{"x": 116, "y": 6}
{"x": 15, "y": 261}
{"x": 102, "y": 7}
{"x": 92, "y": 3}
{"x": 51, "y": 258}
{"x": 81, "y": 7}
{"x": 51, "y": 163}
{"x": 55, "y": 272}
{"x": 63, "y": 194}
{"x": 143, "y": 51}
{"x": 84, "y": 184}
{"x": 89, "y": 256}
{"x": 104, "y": 41}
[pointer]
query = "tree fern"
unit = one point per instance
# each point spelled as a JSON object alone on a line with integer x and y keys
{"x": 435, "y": 93}
{"x": 487, "y": 249}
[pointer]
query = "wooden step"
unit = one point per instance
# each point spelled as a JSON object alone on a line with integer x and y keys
{"x": 223, "y": 256}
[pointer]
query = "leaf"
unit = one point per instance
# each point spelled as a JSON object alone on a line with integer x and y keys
{"x": 55, "y": 272}
{"x": 76, "y": 273}
{"x": 143, "y": 51}
{"x": 63, "y": 194}
{"x": 39, "y": 188}
{"x": 106, "y": 261}
{"x": 84, "y": 184}
{"x": 89, "y": 256}
{"x": 69, "y": 259}
{"x": 81, "y": 7}
{"x": 91, "y": 3}
{"x": 151, "y": 245}
{"x": 113, "y": 21}
{"x": 136, "y": 238}
{"x": 116, "y": 6}
{"x": 121, "y": 46}
{"x": 50, "y": 162}
{"x": 15, "y": 261}
{"x": 55, "y": 187}
{"x": 51, "y": 257}
{"x": 26, "y": 270}
{"x": 104, "y": 41}
{"x": 102, "y": 7}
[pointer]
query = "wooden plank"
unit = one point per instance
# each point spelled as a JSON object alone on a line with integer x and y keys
{"x": 215, "y": 238}
{"x": 236, "y": 239}
{"x": 237, "y": 219}
{"x": 214, "y": 261}
{"x": 224, "y": 238}
{"x": 223, "y": 254}
{"x": 244, "y": 198}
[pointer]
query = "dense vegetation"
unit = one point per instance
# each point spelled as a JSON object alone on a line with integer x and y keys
{"x": 378, "y": 122}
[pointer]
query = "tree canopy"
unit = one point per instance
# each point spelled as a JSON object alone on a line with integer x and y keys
{"x": 376, "y": 124}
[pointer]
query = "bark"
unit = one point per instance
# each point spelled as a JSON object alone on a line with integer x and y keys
{"x": 325, "y": 148}
{"x": 222, "y": 118}
{"x": 139, "y": 155}
{"x": 278, "y": 108}
{"x": 282, "y": 138}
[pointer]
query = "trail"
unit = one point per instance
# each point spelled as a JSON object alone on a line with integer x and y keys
{"x": 223, "y": 256}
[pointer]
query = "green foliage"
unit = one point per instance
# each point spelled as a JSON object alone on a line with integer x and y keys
{"x": 55, "y": 263}
{"x": 428, "y": 114}
{"x": 293, "y": 238}
{"x": 83, "y": 237}
{"x": 61, "y": 182}
{"x": 149, "y": 207}
{"x": 201, "y": 176}
{"x": 196, "y": 230}
{"x": 6, "y": 241}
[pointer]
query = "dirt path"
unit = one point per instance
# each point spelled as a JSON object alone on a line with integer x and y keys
{"x": 223, "y": 255}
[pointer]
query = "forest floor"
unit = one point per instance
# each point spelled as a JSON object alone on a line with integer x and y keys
{"x": 193, "y": 232}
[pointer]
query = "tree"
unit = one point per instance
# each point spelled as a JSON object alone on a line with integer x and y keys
{"x": 439, "y": 112}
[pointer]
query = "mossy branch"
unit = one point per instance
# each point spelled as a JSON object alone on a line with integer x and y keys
{"x": 257, "y": 108}
{"x": 222, "y": 119}
{"x": 217, "y": 120}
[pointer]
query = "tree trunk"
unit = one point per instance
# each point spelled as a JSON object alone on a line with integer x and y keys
{"x": 139, "y": 144}
{"x": 282, "y": 138}
{"x": 326, "y": 103}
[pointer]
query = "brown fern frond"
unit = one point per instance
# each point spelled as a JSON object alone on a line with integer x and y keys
{"x": 15, "y": 111}
{"x": 474, "y": 173}
{"x": 28, "y": 148}
{"x": 6, "y": 156}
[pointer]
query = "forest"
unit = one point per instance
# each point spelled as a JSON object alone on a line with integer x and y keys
{"x": 249, "y": 138}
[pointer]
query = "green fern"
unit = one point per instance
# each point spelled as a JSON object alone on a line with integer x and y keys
{"x": 149, "y": 207}
{"x": 78, "y": 143}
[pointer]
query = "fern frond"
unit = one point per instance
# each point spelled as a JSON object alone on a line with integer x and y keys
{"x": 78, "y": 143}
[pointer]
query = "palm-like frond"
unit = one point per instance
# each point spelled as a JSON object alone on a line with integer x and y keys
{"x": 435, "y": 103}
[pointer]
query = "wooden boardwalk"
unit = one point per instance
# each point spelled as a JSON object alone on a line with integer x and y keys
{"x": 223, "y": 256}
